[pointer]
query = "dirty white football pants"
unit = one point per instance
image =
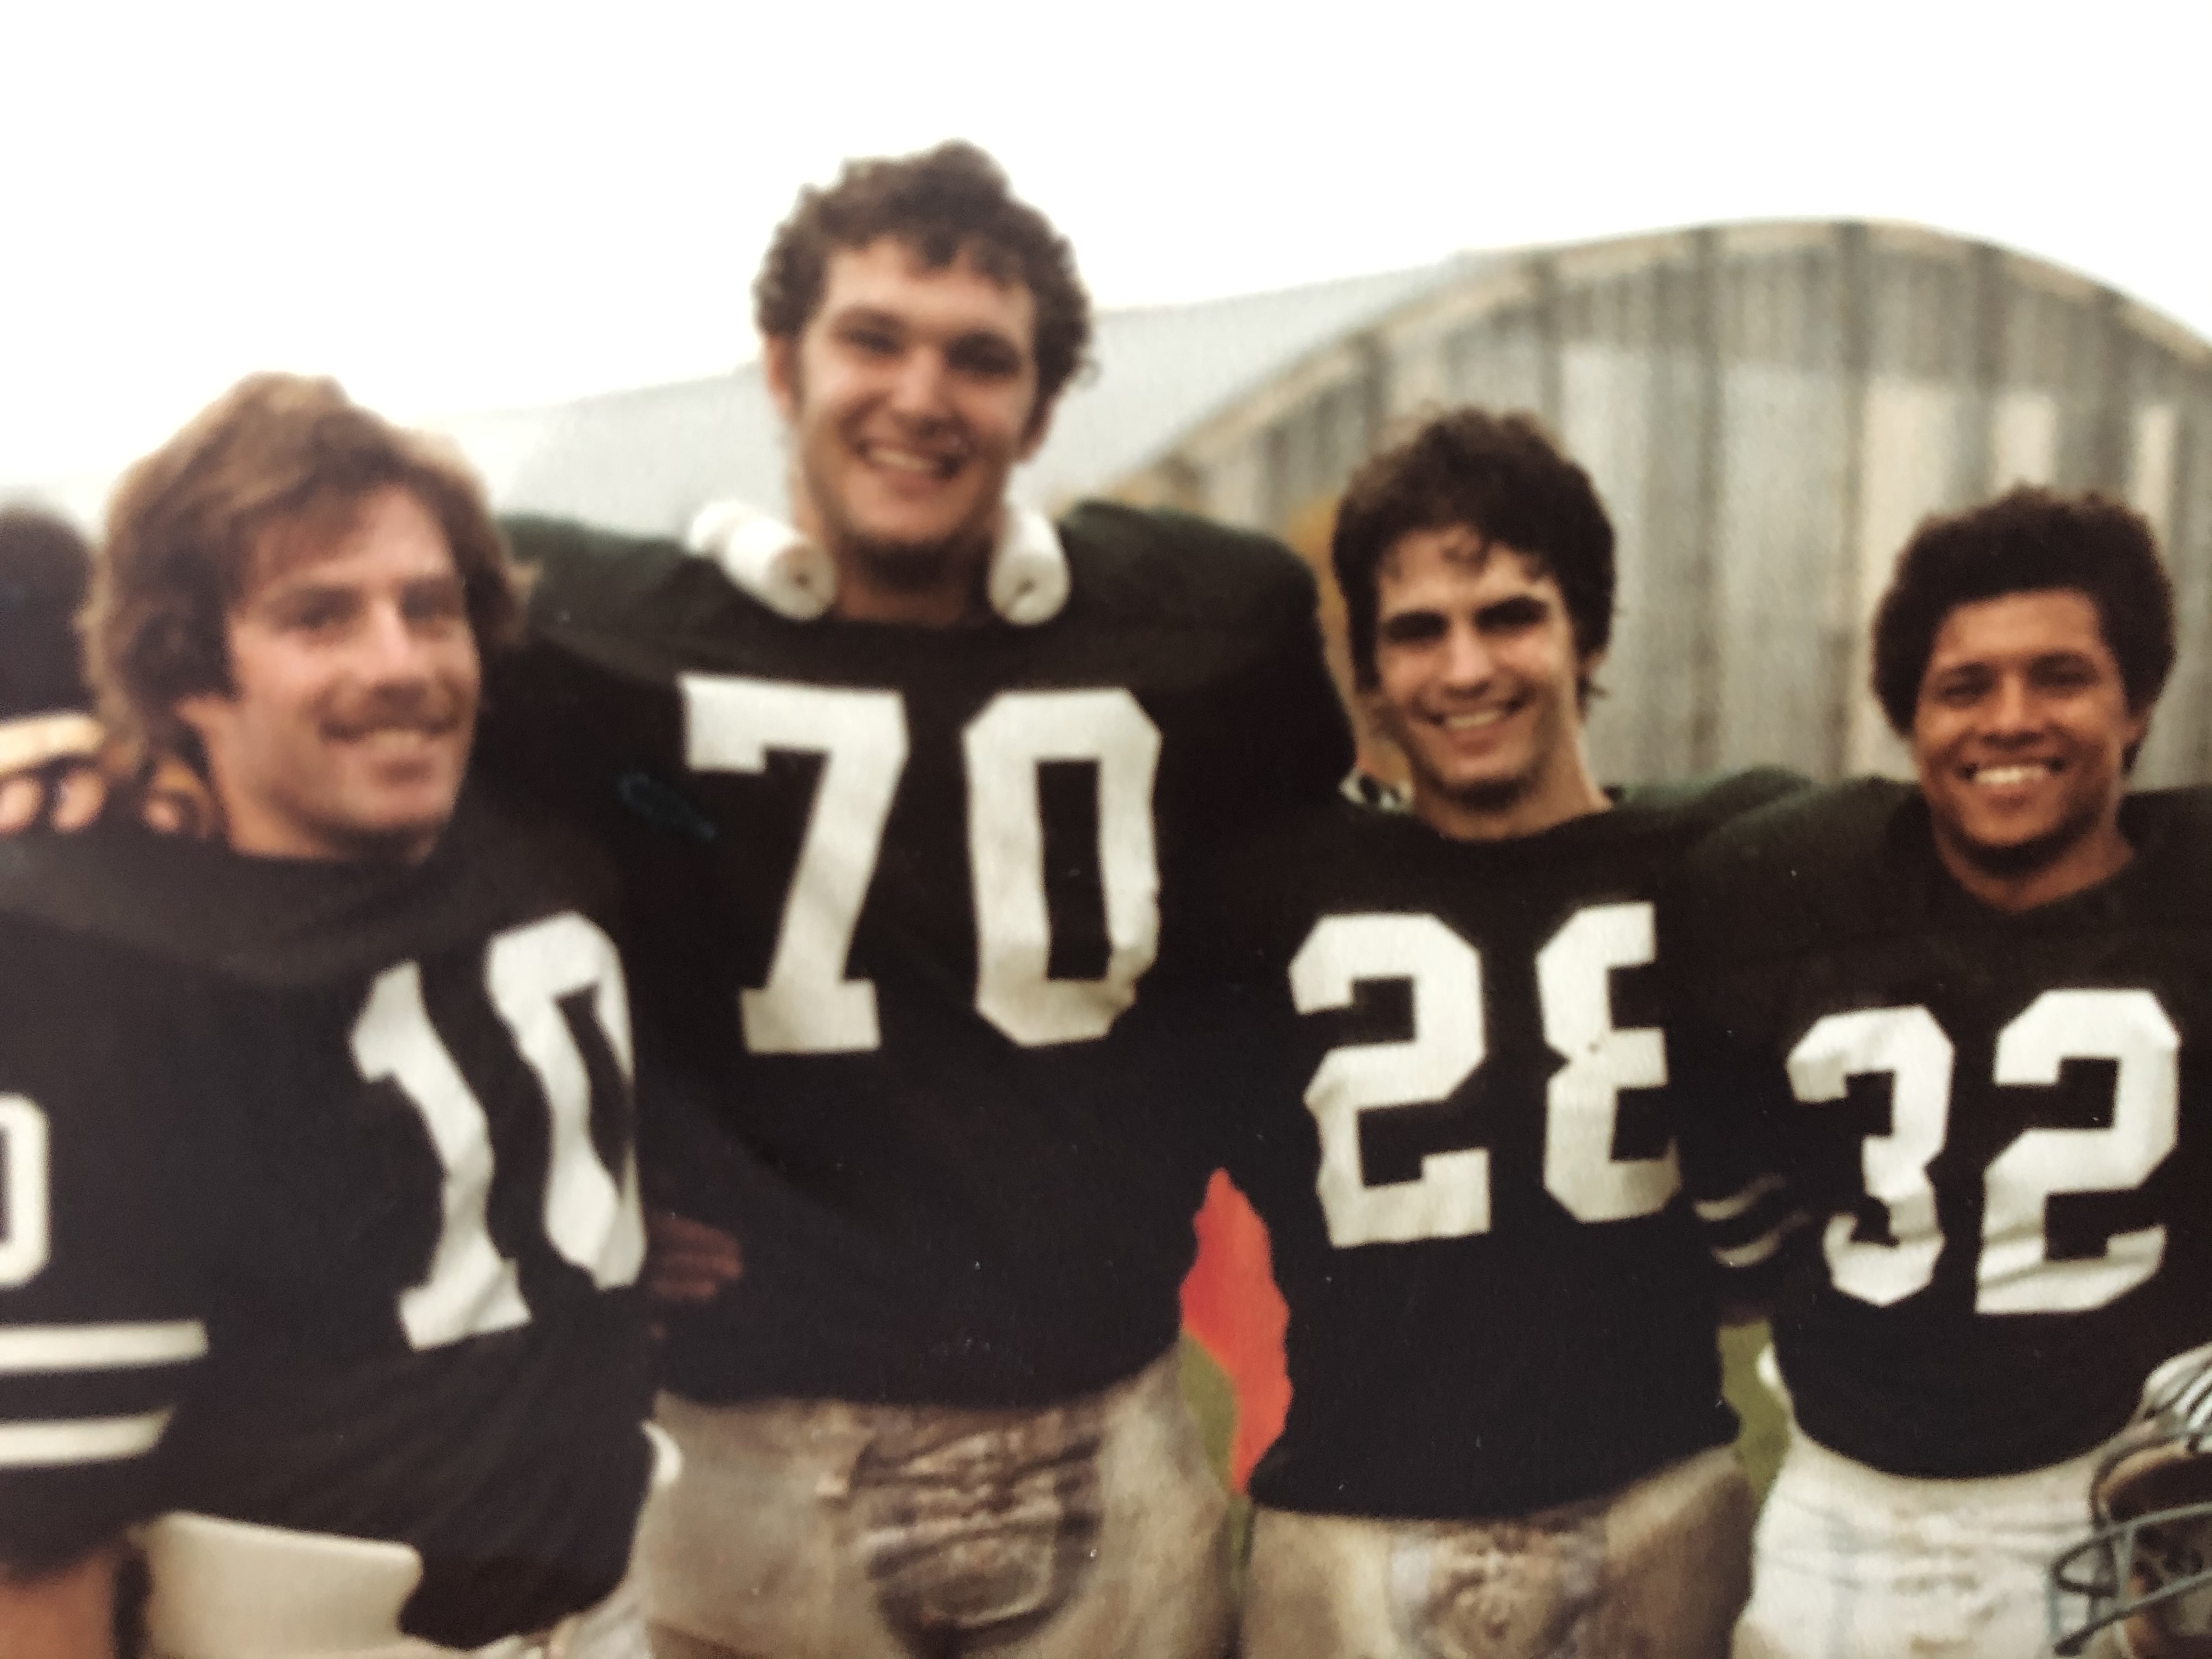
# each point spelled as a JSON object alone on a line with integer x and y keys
{"x": 1851, "y": 1563}
{"x": 1657, "y": 1570}
{"x": 820, "y": 1529}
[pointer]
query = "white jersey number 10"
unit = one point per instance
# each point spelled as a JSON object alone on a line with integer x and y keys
{"x": 590, "y": 1213}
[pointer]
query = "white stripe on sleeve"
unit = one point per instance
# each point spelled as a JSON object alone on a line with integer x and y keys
{"x": 30, "y": 1348}
{"x": 87, "y": 1440}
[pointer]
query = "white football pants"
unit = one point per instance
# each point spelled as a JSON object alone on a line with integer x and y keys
{"x": 821, "y": 1529}
{"x": 1657, "y": 1570}
{"x": 1851, "y": 1563}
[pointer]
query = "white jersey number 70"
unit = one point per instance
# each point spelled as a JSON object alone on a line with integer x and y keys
{"x": 807, "y": 1004}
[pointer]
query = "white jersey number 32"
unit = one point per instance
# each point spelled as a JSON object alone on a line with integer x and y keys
{"x": 2014, "y": 1273}
{"x": 808, "y": 1005}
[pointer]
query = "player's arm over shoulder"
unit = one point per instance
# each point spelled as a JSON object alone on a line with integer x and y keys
{"x": 1179, "y": 562}
{"x": 580, "y": 575}
{"x": 1769, "y": 880}
{"x": 594, "y": 596}
{"x": 1249, "y": 606}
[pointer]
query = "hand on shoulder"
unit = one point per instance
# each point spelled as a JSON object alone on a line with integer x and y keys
{"x": 57, "y": 773}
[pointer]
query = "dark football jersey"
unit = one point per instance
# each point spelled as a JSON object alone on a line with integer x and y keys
{"x": 328, "y": 1168}
{"x": 895, "y": 895}
{"x": 2001, "y": 1122}
{"x": 1457, "y": 1118}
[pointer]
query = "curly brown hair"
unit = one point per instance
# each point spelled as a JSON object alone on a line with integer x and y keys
{"x": 945, "y": 204}
{"x": 2027, "y": 540}
{"x": 190, "y": 531}
{"x": 1501, "y": 477}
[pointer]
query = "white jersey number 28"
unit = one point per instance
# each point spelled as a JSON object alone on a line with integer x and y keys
{"x": 2014, "y": 1273}
{"x": 590, "y": 1213}
{"x": 1450, "y": 1199}
{"x": 807, "y": 1004}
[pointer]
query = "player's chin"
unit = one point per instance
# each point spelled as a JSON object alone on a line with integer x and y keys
{"x": 917, "y": 554}
{"x": 1500, "y": 770}
{"x": 920, "y": 530}
{"x": 923, "y": 511}
{"x": 414, "y": 808}
{"x": 2002, "y": 818}
{"x": 2016, "y": 844}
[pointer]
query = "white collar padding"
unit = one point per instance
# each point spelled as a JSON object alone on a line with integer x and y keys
{"x": 792, "y": 577}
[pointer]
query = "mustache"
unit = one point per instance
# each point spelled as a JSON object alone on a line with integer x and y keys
{"x": 431, "y": 709}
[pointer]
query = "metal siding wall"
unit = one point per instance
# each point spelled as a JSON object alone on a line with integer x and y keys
{"x": 1768, "y": 415}
{"x": 1680, "y": 693}
{"x": 1782, "y": 506}
{"x": 1781, "y": 532}
{"x": 1604, "y": 388}
{"x": 2180, "y": 749}
{"x": 1496, "y": 361}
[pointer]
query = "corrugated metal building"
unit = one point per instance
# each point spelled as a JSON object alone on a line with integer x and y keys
{"x": 1767, "y": 409}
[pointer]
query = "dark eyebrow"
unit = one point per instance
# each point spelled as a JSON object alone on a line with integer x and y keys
{"x": 986, "y": 347}
{"x": 1405, "y": 624}
{"x": 1522, "y": 610}
{"x": 295, "y": 592}
{"x": 867, "y": 316}
{"x": 311, "y": 604}
{"x": 1971, "y": 676}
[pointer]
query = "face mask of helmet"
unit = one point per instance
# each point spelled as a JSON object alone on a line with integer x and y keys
{"x": 2148, "y": 1566}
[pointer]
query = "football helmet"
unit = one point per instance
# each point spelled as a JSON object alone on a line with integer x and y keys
{"x": 2147, "y": 1567}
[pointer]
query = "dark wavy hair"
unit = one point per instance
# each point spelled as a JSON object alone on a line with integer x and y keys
{"x": 1501, "y": 477}
{"x": 944, "y": 204}
{"x": 2027, "y": 540}
{"x": 191, "y": 528}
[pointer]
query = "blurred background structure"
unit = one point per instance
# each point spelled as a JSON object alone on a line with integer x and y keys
{"x": 1767, "y": 409}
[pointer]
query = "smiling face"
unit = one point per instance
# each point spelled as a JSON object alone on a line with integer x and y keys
{"x": 911, "y": 395}
{"x": 2020, "y": 736}
{"x": 353, "y": 679}
{"x": 1477, "y": 680}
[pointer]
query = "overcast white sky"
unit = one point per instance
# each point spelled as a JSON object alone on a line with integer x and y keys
{"x": 464, "y": 206}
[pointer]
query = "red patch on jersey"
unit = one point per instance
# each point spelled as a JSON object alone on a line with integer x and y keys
{"x": 1232, "y": 1306}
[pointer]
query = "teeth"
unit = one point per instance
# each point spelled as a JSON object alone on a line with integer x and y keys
{"x": 906, "y": 460}
{"x": 399, "y": 736}
{"x": 1469, "y": 722}
{"x": 2005, "y": 777}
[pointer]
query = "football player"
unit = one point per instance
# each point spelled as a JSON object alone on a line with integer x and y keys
{"x": 318, "y": 1209}
{"x": 46, "y": 724}
{"x": 1970, "y": 1000}
{"x": 1505, "y": 1434}
{"x": 907, "y": 789}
